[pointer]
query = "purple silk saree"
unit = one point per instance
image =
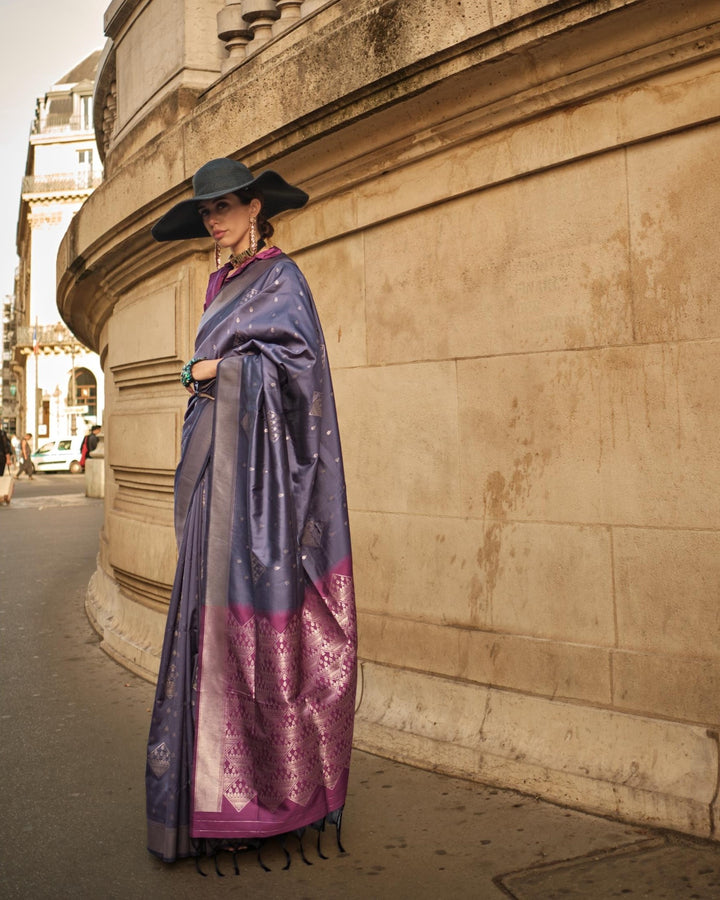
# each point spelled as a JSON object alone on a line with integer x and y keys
{"x": 252, "y": 724}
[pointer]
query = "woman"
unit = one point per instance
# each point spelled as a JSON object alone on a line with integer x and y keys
{"x": 252, "y": 724}
{"x": 6, "y": 459}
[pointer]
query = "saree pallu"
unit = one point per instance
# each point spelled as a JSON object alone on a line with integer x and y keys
{"x": 252, "y": 724}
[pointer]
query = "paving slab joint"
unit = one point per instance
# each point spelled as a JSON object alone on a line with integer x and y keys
{"x": 634, "y": 847}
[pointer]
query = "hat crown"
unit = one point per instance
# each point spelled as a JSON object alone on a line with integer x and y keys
{"x": 217, "y": 178}
{"x": 221, "y": 175}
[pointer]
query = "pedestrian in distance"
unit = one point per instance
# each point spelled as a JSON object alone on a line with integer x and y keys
{"x": 90, "y": 442}
{"x": 6, "y": 459}
{"x": 252, "y": 723}
{"x": 26, "y": 466}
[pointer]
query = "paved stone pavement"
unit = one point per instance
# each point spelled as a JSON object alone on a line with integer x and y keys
{"x": 72, "y": 733}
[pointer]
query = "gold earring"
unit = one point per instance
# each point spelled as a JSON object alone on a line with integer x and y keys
{"x": 217, "y": 255}
{"x": 253, "y": 237}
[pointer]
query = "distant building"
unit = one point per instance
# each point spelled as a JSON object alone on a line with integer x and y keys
{"x": 52, "y": 383}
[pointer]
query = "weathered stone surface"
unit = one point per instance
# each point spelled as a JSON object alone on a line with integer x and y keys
{"x": 672, "y": 183}
{"x": 342, "y": 313}
{"x": 421, "y": 419}
{"x": 673, "y": 687}
{"x": 538, "y": 667}
{"x": 622, "y": 436}
{"x": 631, "y": 766}
{"x": 661, "y": 575}
{"x": 506, "y": 288}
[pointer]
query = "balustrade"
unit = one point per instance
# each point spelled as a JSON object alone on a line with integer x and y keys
{"x": 289, "y": 14}
{"x": 235, "y": 31}
{"x": 260, "y": 16}
{"x": 245, "y": 25}
{"x": 109, "y": 115}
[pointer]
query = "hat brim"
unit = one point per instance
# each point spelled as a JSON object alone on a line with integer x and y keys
{"x": 183, "y": 221}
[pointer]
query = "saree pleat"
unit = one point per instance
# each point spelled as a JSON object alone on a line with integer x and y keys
{"x": 252, "y": 725}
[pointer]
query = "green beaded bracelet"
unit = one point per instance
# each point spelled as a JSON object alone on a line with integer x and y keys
{"x": 186, "y": 371}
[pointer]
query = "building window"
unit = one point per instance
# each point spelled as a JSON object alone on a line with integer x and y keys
{"x": 84, "y": 385}
{"x": 85, "y": 158}
{"x": 86, "y": 112}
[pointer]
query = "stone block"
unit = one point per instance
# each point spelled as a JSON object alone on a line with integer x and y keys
{"x": 131, "y": 632}
{"x": 503, "y": 287}
{"x": 674, "y": 209}
{"x": 139, "y": 440}
{"x": 540, "y": 667}
{"x": 545, "y": 581}
{"x": 621, "y": 436}
{"x": 671, "y": 687}
{"x": 395, "y": 641}
{"x": 168, "y": 41}
{"x": 145, "y": 549}
{"x": 419, "y": 567}
{"x": 667, "y": 585}
{"x": 549, "y": 581}
{"x": 680, "y": 98}
{"x": 335, "y": 273}
{"x": 94, "y": 477}
{"x": 145, "y": 329}
{"x": 531, "y": 429}
{"x": 660, "y": 421}
{"x": 563, "y": 671}
{"x": 148, "y": 56}
{"x": 400, "y": 423}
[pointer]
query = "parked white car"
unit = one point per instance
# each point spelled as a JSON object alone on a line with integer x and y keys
{"x": 62, "y": 455}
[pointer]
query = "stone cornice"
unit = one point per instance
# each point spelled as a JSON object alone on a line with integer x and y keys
{"x": 118, "y": 14}
{"x": 285, "y": 104}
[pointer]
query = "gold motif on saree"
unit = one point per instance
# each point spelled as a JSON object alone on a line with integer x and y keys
{"x": 274, "y": 427}
{"x": 171, "y": 681}
{"x": 317, "y": 404}
{"x": 312, "y": 533}
{"x": 258, "y": 569}
{"x": 282, "y": 742}
{"x": 159, "y": 759}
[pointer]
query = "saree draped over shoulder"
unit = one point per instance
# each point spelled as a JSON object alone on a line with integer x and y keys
{"x": 252, "y": 723}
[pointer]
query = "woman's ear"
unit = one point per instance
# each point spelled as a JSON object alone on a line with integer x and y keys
{"x": 255, "y": 206}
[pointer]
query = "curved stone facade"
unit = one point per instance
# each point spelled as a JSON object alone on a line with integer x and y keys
{"x": 512, "y": 242}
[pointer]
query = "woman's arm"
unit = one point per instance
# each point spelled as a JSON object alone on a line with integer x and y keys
{"x": 204, "y": 369}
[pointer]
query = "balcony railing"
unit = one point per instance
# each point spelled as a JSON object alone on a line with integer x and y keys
{"x": 82, "y": 180}
{"x": 60, "y": 123}
{"x": 47, "y": 336}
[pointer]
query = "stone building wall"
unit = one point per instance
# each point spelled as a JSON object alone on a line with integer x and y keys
{"x": 512, "y": 243}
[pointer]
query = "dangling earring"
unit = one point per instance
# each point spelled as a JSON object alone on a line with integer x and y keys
{"x": 253, "y": 237}
{"x": 217, "y": 255}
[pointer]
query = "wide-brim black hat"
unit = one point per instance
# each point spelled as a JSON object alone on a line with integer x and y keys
{"x": 217, "y": 178}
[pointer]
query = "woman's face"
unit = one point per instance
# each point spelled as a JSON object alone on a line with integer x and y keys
{"x": 227, "y": 220}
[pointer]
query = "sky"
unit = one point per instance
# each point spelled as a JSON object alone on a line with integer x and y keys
{"x": 40, "y": 40}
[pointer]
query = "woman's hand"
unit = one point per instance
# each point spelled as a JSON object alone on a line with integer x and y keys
{"x": 203, "y": 370}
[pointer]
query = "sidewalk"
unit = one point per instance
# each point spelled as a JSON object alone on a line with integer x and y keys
{"x": 72, "y": 757}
